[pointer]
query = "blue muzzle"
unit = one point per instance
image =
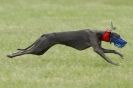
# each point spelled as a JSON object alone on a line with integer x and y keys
{"x": 118, "y": 42}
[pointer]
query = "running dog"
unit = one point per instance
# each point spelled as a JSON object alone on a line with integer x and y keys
{"x": 80, "y": 40}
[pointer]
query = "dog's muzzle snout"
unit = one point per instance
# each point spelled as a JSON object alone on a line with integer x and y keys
{"x": 118, "y": 42}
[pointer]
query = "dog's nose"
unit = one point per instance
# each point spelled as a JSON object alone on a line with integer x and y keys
{"x": 120, "y": 43}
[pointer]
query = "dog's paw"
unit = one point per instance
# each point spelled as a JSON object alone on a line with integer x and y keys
{"x": 122, "y": 57}
{"x": 21, "y": 49}
{"x": 9, "y": 56}
{"x": 116, "y": 64}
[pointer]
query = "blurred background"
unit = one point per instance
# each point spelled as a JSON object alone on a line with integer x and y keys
{"x": 23, "y": 21}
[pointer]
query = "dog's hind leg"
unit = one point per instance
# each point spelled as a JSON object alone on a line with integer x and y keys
{"x": 29, "y": 46}
{"x": 36, "y": 42}
{"x": 19, "y": 53}
{"x": 37, "y": 48}
{"x": 41, "y": 46}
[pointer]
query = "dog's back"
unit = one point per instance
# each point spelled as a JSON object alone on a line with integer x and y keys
{"x": 72, "y": 35}
{"x": 76, "y": 39}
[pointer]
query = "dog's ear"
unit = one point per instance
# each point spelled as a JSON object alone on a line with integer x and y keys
{"x": 112, "y": 26}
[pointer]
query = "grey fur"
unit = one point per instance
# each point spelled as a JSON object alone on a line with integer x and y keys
{"x": 80, "y": 40}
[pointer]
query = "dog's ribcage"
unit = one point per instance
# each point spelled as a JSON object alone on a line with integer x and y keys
{"x": 75, "y": 39}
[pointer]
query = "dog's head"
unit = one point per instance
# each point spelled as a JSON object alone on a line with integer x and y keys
{"x": 112, "y": 37}
{"x": 117, "y": 40}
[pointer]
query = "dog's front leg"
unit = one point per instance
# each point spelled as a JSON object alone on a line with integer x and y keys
{"x": 101, "y": 53}
{"x": 97, "y": 48}
{"x": 112, "y": 51}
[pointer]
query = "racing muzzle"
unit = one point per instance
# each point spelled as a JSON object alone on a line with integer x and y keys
{"x": 118, "y": 42}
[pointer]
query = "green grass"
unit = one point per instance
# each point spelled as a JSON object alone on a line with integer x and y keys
{"x": 23, "y": 21}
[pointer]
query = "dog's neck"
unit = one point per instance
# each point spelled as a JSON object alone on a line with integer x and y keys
{"x": 104, "y": 36}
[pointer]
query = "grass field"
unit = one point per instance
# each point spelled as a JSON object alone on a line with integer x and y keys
{"x": 23, "y": 21}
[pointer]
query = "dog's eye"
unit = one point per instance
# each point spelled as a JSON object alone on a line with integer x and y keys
{"x": 118, "y": 36}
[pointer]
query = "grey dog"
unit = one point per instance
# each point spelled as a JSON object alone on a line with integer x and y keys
{"x": 80, "y": 40}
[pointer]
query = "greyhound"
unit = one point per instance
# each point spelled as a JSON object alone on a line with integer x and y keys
{"x": 80, "y": 40}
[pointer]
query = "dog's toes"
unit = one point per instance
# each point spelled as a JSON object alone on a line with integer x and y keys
{"x": 21, "y": 49}
{"x": 116, "y": 64}
{"x": 9, "y": 56}
{"x": 122, "y": 57}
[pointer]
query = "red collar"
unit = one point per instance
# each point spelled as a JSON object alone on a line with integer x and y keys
{"x": 106, "y": 36}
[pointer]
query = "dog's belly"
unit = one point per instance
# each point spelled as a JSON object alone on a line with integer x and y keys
{"x": 79, "y": 46}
